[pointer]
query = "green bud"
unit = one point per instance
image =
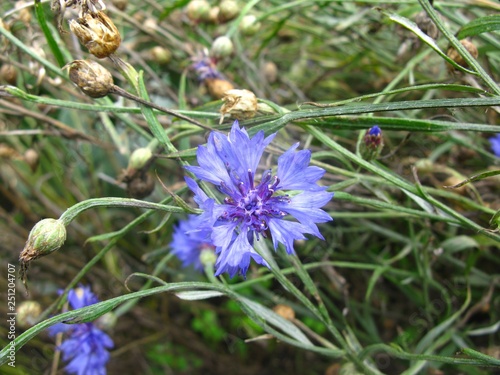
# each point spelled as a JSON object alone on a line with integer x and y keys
{"x": 249, "y": 25}
{"x": 198, "y": 10}
{"x": 372, "y": 144}
{"x": 228, "y": 10}
{"x": 139, "y": 158}
{"x": 28, "y": 313}
{"x": 47, "y": 236}
{"x": 222, "y": 47}
{"x": 207, "y": 256}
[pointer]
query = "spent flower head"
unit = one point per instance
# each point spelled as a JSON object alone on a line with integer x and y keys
{"x": 253, "y": 209}
{"x": 97, "y": 32}
{"x": 85, "y": 347}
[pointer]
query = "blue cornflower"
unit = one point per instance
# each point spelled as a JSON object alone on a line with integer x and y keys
{"x": 205, "y": 68}
{"x": 495, "y": 144}
{"x": 86, "y": 346}
{"x": 188, "y": 241}
{"x": 252, "y": 208}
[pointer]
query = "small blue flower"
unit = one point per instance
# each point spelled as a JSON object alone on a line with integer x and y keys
{"x": 251, "y": 208}
{"x": 205, "y": 68}
{"x": 495, "y": 144}
{"x": 188, "y": 241}
{"x": 86, "y": 346}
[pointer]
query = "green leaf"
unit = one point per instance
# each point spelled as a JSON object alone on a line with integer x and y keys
{"x": 479, "y": 26}
{"x": 256, "y": 310}
{"x": 412, "y": 26}
{"x": 194, "y": 295}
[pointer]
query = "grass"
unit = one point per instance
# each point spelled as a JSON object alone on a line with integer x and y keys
{"x": 406, "y": 280}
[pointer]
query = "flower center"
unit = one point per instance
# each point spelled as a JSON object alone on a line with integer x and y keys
{"x": 256, "y": 205}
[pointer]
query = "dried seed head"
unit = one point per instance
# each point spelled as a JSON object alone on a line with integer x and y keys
{"x": 97, "y": 32}
{"x": 249, "y": 25}
{"x": 32, "y": 158}
{"x": 228, "y": 10}
{"x": 47, "y": 236}
{"x": 455, "y": 56}
{"x": 8, "y": 74}
{"x": 427, "y": 25}
{"x": 91, "y": 77}
{"x": 28, "y": 313}
{"x": 222, "y": 47}
{"x": 217, "y": 87}
{"x": 198, "y": 10}
{"x": 140, "y": 186}
{"x": 239, "y": 104}
{"x": 139, "y": 158}
{"x": 284, "y": 311}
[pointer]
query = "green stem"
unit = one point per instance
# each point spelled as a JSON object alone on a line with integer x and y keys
{"x": 69, "y": 215}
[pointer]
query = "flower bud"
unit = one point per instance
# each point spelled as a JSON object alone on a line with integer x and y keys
{"x": 91, "y": 77}
{"x": 139, "y": 158}
{"x": 28, "y": 313}
{"x": 221, "y": 47}
{"x": 453, "y": 54}
{"x": 32, "y": 158}
{"x": 217, "y": 87}
{"x": 270, "y": 71}
{"x": 228, "y": 10}
{"x": 249, "y": 25}
{"x": 97, "y": 32}
{"x": 239, "y": 104}
{"x": 198, "y": 10}
{"x": 160, "y": 55}
{"x": 47, "y": 236}
{"x": 8, "y": 74}
{"x": 140, "y": 186}
{"x": 372, "y": 143}
{"x": 208, "y": 256}
{"x": 120, "y": 4}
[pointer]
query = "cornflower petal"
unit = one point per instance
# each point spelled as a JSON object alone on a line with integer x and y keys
{"x": 294, "y": 172}
{"x": 495, "y": 144}
{"x": 236, "y": 258}
{"x": 286, "y": 232}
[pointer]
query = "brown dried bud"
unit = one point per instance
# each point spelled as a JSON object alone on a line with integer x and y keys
{"x": 97, "y": 32}
{"x": 140, "y": 186}
{"x": 270, "y": 71}
{"x": 218, "y": 87}
{"x": 427, "y": 25}
{"x": 8, "y": 74}
{"x": 455, "y": 56}
{"x": 284, "y": 311}
{"x": 239, "y": 104}
{"x": 91, "y": 77}
{"x": 32, "y": 158}
{"x": 120, "y": 4}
